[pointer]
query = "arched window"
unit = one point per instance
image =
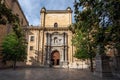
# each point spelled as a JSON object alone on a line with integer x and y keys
{"x": 55, "y": 25}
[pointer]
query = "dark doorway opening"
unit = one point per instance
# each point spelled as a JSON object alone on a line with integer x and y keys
{"x": 55, "y": 58}
{"x": 57, "y": 61}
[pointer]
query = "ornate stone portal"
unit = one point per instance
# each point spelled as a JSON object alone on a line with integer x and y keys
{"x": 56, "y": 48}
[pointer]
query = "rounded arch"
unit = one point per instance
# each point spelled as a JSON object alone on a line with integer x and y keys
{"x": 55, "y": 57}
{"x": 55, "y": 33}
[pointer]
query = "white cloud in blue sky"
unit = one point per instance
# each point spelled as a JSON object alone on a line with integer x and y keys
{"x": 31, "y": 8}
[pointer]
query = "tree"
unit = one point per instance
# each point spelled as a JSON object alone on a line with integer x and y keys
{"x": 14, "y": 49}
{"x": 14, "y": 45}
{"x": 6, "y": 15}
{"x": 99, "y": 21}
{"x": 84, "y": 31}
{"x": 81, "y": 49}
{"x": 114, "y": 29}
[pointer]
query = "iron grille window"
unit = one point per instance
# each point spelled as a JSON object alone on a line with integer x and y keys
{"x": 31, "y": 47}
{"x": 32, "y": 38}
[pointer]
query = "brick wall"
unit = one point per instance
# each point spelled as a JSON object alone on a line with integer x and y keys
{"x": 4, "y": 29}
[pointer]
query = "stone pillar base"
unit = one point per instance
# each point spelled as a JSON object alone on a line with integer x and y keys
{"x": 64, "y": 64}
{"x": 118, "y": 66}
{"x": 102, "y": 66}
{"x": 103, "y": 74}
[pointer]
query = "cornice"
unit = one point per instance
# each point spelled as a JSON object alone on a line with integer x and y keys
{"x": 22, "y": 12}
{"x": 7, "y": 4}
{"x": 48, "y": 28}
{"x": 68, "y": 10}
{"x": 58, "y": 11}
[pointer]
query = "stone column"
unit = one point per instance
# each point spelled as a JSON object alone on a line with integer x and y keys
{"x": 46, "y": 49}
{"x": 66, "y": 56}
{"x": 117, "y": 62}
{"x": 50, "y": 50}
{"x": 64, "y": 45}
{"x": 66, "y": 49}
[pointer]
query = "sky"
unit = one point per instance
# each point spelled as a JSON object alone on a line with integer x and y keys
{"x": 31, "y": 8}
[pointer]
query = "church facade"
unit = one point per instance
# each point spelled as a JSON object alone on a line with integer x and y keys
{"x": 50, "y": 43}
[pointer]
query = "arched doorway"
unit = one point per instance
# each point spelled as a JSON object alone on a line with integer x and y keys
{"x": 55, "y": 58}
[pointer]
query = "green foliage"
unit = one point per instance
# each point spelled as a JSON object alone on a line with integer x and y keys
{"x": 100, "y": 19}
{"x": 17, "y": 30}
{"x": 13, "y": 48}
{"x": 14, "y": 45}
{"x": 81, "y": 53}
{"x": 83, "y": 29}
{"x": 98, "y": 24}
{"x": 80, "y": 43}
{"x": 6, "y": 15}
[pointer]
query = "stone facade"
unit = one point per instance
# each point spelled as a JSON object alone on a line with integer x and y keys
{"x": 50, "y": 43}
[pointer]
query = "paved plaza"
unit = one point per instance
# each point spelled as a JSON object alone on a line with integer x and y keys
{"x": 48, "y": 74}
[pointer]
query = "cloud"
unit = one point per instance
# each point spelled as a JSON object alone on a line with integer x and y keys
{"x": 31, "y": 8}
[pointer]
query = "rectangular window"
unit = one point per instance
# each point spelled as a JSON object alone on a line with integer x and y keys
{"x": 32, "y": 38}
{"x": 31, "y": 48}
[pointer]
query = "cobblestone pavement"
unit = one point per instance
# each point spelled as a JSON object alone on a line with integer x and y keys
{"x": 48, "y": 74}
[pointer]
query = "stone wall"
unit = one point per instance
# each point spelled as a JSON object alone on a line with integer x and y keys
{"x": 62, "y": 19}
{"x": 16, "y": 9}
{"x": 5, "y": 29}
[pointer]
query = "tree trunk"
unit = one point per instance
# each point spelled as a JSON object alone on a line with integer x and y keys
{"x": 91, "y": 63}
{"x": 14, "y": 64}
